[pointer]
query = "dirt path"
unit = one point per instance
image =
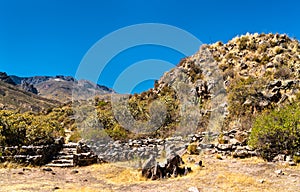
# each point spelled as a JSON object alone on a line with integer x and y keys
{"x": 217, "y": 175}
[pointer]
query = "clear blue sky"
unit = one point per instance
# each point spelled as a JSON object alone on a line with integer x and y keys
{"x": 50, "y": 37}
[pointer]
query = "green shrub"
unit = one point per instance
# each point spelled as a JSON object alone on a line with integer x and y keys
{"x": 27, "y": 129}
{"x": 277, "y": 132}
{"x": 296, "y": 159}
{"x": 118, "y": 132}
{"x": 75, "y": 137}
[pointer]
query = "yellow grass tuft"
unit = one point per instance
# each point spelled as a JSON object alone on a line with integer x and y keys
{"x": 119, "y": 175}
{"x": 10, "y": 165}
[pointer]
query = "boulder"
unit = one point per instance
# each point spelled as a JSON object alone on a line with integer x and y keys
{"x": 147, "y": 166}
{"x": 240, "y": 153}
{"x": 224, "y": 147}
{"x": 154, "y": 170}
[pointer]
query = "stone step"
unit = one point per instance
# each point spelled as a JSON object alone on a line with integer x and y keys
{"x": 63, "y": 157}
{"x": 67, "y": 151}
{"x": 61, "y": 153}
{"x": 60, "y": 165}
{"x": 70, "y": 145}
{"x": 62, "y": 161}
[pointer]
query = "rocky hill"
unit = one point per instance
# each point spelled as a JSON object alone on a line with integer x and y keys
{"x": 221, "y": 87}
{"x": 238, "y": 80}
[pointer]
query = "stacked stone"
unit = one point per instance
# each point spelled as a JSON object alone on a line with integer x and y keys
{"x": 113, "y": 151}
{"x": 231, "y": 143}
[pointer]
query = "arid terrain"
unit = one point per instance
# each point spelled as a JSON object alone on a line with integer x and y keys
{"x": 228, "y": 174}
{"x": 243, "y": 95}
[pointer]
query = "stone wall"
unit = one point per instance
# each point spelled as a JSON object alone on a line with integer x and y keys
{"x": 232, "y": 143}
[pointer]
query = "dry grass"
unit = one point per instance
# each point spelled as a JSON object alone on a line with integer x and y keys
{"x": 9, "y": 165}
{"x": 118, "y": 174}
{"x": 216, "y": 175}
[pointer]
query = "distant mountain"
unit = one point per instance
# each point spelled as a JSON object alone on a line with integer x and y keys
{"x": 61, "y": 88}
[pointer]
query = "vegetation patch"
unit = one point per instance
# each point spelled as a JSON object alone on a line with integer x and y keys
{"x": 277, "y": 132}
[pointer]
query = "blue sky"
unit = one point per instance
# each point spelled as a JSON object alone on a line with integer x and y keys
{"x": 51, "y": 37}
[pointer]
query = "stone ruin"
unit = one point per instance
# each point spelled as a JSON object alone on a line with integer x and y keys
{"x": 57, "y": 154}
{"x": 231, "y": 143}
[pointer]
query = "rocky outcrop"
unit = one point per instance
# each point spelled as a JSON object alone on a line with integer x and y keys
{"x": 247, "y": 75}
{"x": 5, "y": 78}
{"x": 28, "y": 87}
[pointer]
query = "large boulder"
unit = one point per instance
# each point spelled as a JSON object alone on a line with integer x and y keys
{"x": 154, "y": 170}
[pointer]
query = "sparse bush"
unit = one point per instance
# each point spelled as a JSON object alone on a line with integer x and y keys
{"x": 192, "y": 149}
{"x": 265, "y": 59}
{"x": 221, "y": 139}
{"x": 277, "y": 132}
{"x": 218, "y": 156}
{"x": 118, "y": 132}
{"x": 223, "y": 65}
{"x": 278, "y": 50}
{"x": 75, "y": 137}
{"x": 228, "y": 73}
{"x": 262, "y": 48}
{"x": 296, "y": 158}
{"x": 243, "y": 42}
{"x": 282, "y": 73}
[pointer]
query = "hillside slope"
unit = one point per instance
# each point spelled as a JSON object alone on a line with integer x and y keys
{"x": 238, "y": 80}
{"x": 13, "y": 98}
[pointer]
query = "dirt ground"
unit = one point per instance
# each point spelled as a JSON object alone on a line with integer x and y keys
{"x": 216, "y": 175}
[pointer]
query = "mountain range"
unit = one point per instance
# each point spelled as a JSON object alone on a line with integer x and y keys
{"x": 55, "y": 89}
